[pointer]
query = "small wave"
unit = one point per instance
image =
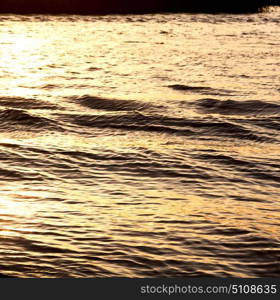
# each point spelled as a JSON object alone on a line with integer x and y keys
{"x": 271, "y": 123}
{"x": 204, "y": 90}
{"x": 49, "y": 86}
{"x": 110, "y": 104}
{"x": 9, "y": 174}
{"x": 25, "y": 103}
{"x": 136, "y": 121}
{"x": 233, "y": 107}
{"x": 252, "y": 169}
{"x": 132, "y": 121}
{"x": 94, "y": 69}
{"x": 225, "y": 160}
{"x": 14, "y": 174}
{"x": 19, "y": 118}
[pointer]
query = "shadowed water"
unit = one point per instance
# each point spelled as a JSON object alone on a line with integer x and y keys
{"x": 140, "y": 145}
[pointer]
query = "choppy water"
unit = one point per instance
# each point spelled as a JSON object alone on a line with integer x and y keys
{"x": 140, "y": 145}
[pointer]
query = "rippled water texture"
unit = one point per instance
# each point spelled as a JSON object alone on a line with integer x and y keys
{"x": 140, "y": 145}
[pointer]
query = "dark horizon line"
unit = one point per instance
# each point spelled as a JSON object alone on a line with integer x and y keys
{"x": 136, "y": 7}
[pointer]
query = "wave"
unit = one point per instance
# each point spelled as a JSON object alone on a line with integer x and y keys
{"x": 110, "y": 104}
{"x": 25, "y": 103}
{"x": 200, "y": 128}
{"x": 264, "y": 171}
{"x": 11, "y": 119}
{"x": 131, "y": 115}
{"x": 233, "y": 107}
{"x": 202, "y": 90}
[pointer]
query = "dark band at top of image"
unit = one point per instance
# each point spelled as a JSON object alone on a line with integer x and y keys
{"x": 137, "y": 6}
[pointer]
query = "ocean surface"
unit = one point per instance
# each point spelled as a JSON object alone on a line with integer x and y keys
{"x": 140, "y": 145}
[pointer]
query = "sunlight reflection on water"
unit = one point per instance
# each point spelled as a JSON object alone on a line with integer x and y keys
{"x": 139, "y": 146}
